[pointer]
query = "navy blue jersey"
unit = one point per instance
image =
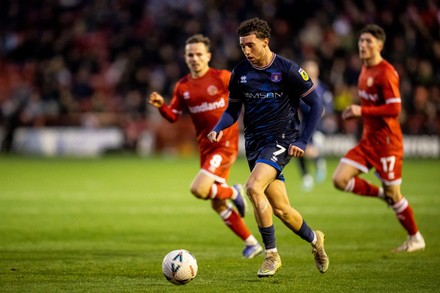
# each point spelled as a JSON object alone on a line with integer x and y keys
{"x": 271, "y": 97}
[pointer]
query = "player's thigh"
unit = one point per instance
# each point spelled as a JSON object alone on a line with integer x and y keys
{"x": 344, "y": 172}
{"x": 352, "y": 164}
{"x": 202, "y": 182}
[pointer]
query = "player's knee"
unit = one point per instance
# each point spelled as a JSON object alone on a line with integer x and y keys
{"x": 392, "y": 197}
{"x": 251, "y": 189}
{"x": 339, "y": 182}
{"x": 198, "y": 192}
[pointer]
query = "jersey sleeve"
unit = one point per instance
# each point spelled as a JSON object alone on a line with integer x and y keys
{"x": 172, "y": 111}
{"x": 300, "y": 82}
{"x": 303, "y": 87}
{"x": 390, "y": 86}
{"x": 312, "y": 119}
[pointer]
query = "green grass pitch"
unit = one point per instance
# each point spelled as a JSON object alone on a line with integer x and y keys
{"x": 104, "y": 225}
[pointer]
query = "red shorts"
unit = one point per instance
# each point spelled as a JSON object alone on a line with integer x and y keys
{"x": 218, "y": 162}
{"x": 387, "y": 162}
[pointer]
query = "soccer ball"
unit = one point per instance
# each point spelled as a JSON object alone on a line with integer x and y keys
{"x": 179, "y": 267}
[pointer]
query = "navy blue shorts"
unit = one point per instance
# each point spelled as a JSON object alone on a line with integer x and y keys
{"x": 275, "y": 154}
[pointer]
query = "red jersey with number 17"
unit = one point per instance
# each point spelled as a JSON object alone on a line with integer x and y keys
{"x": 206, "y": 98}
{"x": 378, "y": 87}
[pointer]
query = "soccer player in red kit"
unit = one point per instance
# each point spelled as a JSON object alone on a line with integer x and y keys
{"x": 204, "y": 93}
{"x": 381, "y": 145}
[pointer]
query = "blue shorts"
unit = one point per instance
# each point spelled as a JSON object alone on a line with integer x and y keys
{"x": 275, "y": 154}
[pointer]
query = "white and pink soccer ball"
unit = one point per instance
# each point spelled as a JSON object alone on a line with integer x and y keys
{"x": 179, "y": 267}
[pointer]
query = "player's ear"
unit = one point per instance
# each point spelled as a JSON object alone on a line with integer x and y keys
{"x": 209, "y": 55}
{"x": 265, "y": 42}
{"x": 380, "y": 46}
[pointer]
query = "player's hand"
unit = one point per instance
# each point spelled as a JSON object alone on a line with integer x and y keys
{"x": 295, "y": 151}
{"x": 352, "y": 111}
{"x": 156, "y": 100}
{"x": 214, "y": 136}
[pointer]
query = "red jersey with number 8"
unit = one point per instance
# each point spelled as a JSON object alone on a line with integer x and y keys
{"x": 206, "y": 98}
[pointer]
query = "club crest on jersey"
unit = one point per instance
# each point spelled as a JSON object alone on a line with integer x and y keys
{"x": 304, "y": 74}
{"x": 275, "y": 77}
{"x": 370, "y": 81}
{"x": 186, "y": 95}
{"x": 243, "y": 79}
{"x": 212, "y": 90}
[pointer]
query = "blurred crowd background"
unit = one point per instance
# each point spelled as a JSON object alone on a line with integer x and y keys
{"x": 92, "y": 63}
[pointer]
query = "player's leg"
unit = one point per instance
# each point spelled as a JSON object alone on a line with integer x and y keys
{"x": 261, "y": 176}
{"x": 389, "y": 171}
{"x": 216, "y": 166}
{"x": 405, "y": 215}
{"x": 202, "y": 187}
{"x": 346, "y": 175}
{"x": 237, "y": 225}
{"x": 207, "y": 186}
{"x": 277, "y": 196}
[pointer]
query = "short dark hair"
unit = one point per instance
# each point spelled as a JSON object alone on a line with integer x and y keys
{"x": 255, "y": 26}
{"x": 375, "y": 30}
{"x": 199, "y": 38}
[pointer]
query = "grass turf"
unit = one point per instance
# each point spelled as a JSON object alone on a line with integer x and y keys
{"x": 104, "y": 225}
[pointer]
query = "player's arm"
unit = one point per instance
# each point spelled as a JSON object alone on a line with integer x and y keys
{"x": 229, "y": 117}
{"x": 389, "y": 84}
{"x": 355, "y": 111}
{"x": 311, "y": 121}
{"x": 390, "y": 109}
{"x": 168, "y": 112}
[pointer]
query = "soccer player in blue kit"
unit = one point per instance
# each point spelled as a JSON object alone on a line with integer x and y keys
{"x": 270, "y": 88}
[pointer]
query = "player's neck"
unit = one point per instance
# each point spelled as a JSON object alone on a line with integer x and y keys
{"x": 373, "y": 61}
{"x": 199, "y": 74}
{"x": 268, "y": 57}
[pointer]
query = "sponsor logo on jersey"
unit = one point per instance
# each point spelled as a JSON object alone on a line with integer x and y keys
{"x": 263, "y": 95}
{"x": 186, "y": 95}
{"x": 370, "y": 81}
{"x": 212, "y": 90}
{"x": 304, "y": 74}
{"x": 368, "y": 97}
{"x": 205, "y": 106}
{"x": 275, "y": 77}
{"x": 243, "y": 79}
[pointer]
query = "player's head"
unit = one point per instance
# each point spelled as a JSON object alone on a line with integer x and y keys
{"x": 254, "y": 40}
{"x": 371, "y": 41}
{"x": 255, "y": 26}
{"x": 197, "y": 54}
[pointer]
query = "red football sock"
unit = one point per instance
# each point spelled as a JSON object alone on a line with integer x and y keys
{"x": 235, "y": 223}
{"x": 405, "y": 215}
{"x": 220, "y": 191}
{"x": 362, "y": 187}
